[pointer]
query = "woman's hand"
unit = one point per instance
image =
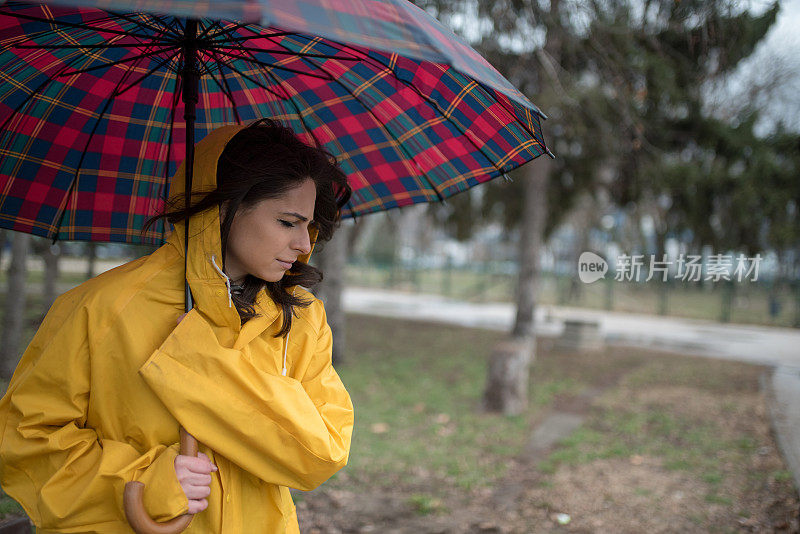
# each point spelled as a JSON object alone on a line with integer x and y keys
{"x": 193, "y": 474}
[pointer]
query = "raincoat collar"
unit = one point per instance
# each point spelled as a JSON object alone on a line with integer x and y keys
{"x": 209, "y": 285}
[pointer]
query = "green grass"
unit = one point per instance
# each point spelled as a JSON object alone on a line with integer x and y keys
{"x": 426, "y": 504}
{"x": 417, "y": 390}
{"x": 424, "y": 388}
{"x": 37, "y": 277}
{"x": 9, "y": 506}
{"x": 685, "y": 443}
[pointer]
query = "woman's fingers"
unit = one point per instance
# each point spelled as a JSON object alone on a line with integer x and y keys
{"x": 196, "y": 506}
{"x": 195, "y": 464}
{"x": 193, "y": 473}
{"x": 194, "y": 479}
{"x": 197, "y": 492}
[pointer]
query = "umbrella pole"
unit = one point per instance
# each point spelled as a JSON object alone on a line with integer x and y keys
{"x": 190, "y": 82}
{"x": 137, "y": 515}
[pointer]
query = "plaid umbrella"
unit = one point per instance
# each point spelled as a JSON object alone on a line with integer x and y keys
{"x": 90, "y": 111}
{"x": 89, "y": 99}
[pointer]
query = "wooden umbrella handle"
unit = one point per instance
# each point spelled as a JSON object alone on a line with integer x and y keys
{"x": 133, "y": 498}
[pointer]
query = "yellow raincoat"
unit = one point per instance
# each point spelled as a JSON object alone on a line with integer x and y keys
{"x": 98, "y": 396}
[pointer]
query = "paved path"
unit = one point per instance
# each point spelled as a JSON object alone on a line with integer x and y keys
{"x": 755, "y": 344}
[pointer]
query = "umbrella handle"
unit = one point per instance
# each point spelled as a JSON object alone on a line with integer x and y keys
{"x": 133, "y": 498}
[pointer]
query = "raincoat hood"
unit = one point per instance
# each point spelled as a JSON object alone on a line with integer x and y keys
{"x": 204, "y": 269}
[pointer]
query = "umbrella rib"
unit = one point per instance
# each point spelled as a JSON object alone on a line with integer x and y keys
{"x": 178, "y": 23}
{"x": 226, "y": 89}
{"x": 432, "y": 103}
{"x": 258, "y": 35}
{"x": 158, "y": 34}
{"x": 119, "y": 62}
{"x": 176, "y": 28}
{"x": 295, "y": 106}
{"x": 40, "y": 34}
{"x": 143, "y": 25}
{"x": 68, "y": 63}
{"x": 272, "y": 66}
{"x": 71, "y": 188}
{"x": 243, "y": 75}
{"x": 79, "y": 46}
{"x": 521, "y": 123}
{"x": 222, "y": 30}
{"x": 145, "y": 75}
{"x": 286, "y": 52}
{"x": 271, "y": 36}
{"x": 389, "y": 135}
{"x": 288, "y": 98}
{"x": 204, "y": 36}
{"x": 75, "y": 25}
{"x": 383, "y": 127}
{"x": 175, "y": 99}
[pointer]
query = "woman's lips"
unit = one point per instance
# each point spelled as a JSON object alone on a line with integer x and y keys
{"x": 285, "y": 264}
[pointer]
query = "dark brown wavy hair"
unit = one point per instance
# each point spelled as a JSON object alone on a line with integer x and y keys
{"x": 263, "y": 161}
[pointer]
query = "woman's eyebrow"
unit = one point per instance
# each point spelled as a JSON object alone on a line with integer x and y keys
{"x": 293, "y": 214}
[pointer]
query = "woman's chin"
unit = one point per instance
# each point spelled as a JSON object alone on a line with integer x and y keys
{"x": 273, "y": 277}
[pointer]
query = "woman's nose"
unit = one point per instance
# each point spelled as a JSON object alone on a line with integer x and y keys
{"x": 303, "y": 243}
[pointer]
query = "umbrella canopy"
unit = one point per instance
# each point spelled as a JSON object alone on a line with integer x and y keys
{"x": 91, "y": 111}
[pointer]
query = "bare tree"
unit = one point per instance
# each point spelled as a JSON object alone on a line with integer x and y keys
{"x": 51, "y": 255}
{"x": 332, "y": 260}
{"x": 91, "y": 258}
{"x": 509, "y": 367}
{"x": 3, "y": 238}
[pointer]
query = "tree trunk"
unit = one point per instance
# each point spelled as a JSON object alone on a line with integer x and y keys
{"x": 531, "y": 242}
{"x": 507, "y": 384}
{"x": 509, "y": 365}
{"x": 91, "y": 257}
{"x": 51, "y": 256}
{"x": 3, "y": 238}
{"x": 332, "y": 261}
{"x": 14, "y": 318}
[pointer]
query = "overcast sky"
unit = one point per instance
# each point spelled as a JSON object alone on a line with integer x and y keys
{"x": 784, "y": 34}
{"x": 780, "y": 49}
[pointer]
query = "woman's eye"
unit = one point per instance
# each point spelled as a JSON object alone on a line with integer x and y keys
{"x": 286, "y": 223}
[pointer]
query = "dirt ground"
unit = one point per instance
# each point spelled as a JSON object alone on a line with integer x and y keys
{"x": 745, "y": 490}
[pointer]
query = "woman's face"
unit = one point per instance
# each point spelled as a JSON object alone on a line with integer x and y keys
{"x": 266, "y": 238}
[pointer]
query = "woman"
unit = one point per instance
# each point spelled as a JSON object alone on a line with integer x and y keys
{"x": 100, "y": 393}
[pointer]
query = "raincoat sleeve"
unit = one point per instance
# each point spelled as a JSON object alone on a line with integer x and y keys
{"x": 65, "y": 476}
{"x": 288, "y": 431}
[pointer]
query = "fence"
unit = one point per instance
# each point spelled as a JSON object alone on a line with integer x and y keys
{"x": 767, "y": 302}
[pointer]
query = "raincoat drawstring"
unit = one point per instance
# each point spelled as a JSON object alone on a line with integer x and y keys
{"x": 227, "y": 280}
{"x": 286, "y": 344}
